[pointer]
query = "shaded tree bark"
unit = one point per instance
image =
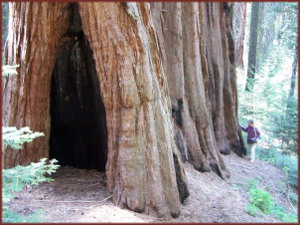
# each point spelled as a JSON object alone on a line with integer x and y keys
{"x": 5, "y": 16}
{"x": 252, "y": 46}
{"x": 290, "y": 111}
{"x": 198, "y": 58}
{"x": 294, "y": 73}
{"x": 140, "y": 165}
{"x": 144, "y": 169}
{"x": 239, "y": 23}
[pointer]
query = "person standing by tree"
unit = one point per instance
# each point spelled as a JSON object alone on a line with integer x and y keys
{"x": 253, "y": 135}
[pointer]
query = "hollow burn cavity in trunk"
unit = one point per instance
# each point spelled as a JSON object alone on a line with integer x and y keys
{"x": 78, "y": 120}
{"x": 176, "y": 112}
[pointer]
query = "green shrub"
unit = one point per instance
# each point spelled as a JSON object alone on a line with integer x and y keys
{"x": 11, "y": 217}
{"x": 288, "y": 163}
{"x": 280, "y": 213}
{"x": 293, "y": 198}
{"x": 13, "y": 180}
{"x": 254, "y": 211}
{"x": 261, "y": 199}
{"x": 265, "y": 154}
{"x": 261, "y": 202}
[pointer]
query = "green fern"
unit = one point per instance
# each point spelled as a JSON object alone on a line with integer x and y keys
{"x": 15, "y": 138}
{"x": 261, "y": 202}
{"x": 11, "y": 217}
{"x": 14, "y": 179}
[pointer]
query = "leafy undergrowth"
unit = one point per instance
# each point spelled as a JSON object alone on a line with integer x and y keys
{"x": 81, "y": 196}
{"x": 15, "y": 179}
{"x": 261, "y": 202}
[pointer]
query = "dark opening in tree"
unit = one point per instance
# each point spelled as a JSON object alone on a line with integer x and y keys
{"x": 78, "y": 121}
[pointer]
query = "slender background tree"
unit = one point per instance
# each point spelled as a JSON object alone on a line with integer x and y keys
{"x": 252, "y": 46}
{"x": 274, "y": 100}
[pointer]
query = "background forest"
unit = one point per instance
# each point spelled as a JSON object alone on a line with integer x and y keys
{"x": 272, "y": 100}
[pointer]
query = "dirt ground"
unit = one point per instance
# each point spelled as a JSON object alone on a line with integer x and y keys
{"x": 81, "y": 196}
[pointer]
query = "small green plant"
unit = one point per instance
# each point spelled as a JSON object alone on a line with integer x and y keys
{"x": 286, "y": 170}
{"x": 288, "y": 163}
{"x": 280, "y": 213}
{"x": 15, "y": 138}
{"x": 293, "y": 198}
{"x": 11, "y": 217}
{"x": 254, "y": 211}
{"x": 261, "y": 202}
{"x": 261, "y": 199}
{"x": 13, "y": 180}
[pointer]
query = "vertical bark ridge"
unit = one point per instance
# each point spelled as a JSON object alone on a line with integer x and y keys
{"x": 221, "y": 73}
{"x": 140, "y": 167}
{"x": 32, "y": 43}
{"x": 191, "y": 43}
{"x": 239, "y": 9}
{"x": 234, "y": 136}
{"x": 198, "y": 59}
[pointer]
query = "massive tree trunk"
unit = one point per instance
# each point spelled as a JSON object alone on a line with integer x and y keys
{"x": 197, "y": 50}
{"x": 252, "y": 46}
{"x": 33, "y": 41}
{"x": 91, "y": 60}
{"x": 144, "y": 169}
{"x": 140, "y": 167}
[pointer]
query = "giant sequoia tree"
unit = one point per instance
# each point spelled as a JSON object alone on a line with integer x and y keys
{"x": 197, "y": 49}
{"x": 101, "y": 80}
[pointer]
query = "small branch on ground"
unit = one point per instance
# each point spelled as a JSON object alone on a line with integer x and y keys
{"x": 73, "y": 201}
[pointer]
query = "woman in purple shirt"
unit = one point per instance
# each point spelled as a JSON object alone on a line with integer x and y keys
{"x": 253, "y": 135}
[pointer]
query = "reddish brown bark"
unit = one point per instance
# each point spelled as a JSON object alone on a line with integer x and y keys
{"x": 140, "y": 165}
{"x": 185, "y": 64}
{"x": 198, "y": 58}
{"x": 144, "y": 169}
{"x": 32, "y": 43}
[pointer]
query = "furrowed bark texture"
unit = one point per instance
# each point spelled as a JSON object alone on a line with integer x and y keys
{"x": 198, "y": 58}
{"x": 140, "y": 167}
{"x": 34, "y": 34}
{"x": 239, "y": 23}
{"x": 144, "y": 169}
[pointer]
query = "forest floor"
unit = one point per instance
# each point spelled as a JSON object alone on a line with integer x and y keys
{"x": 79, "y": 195}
